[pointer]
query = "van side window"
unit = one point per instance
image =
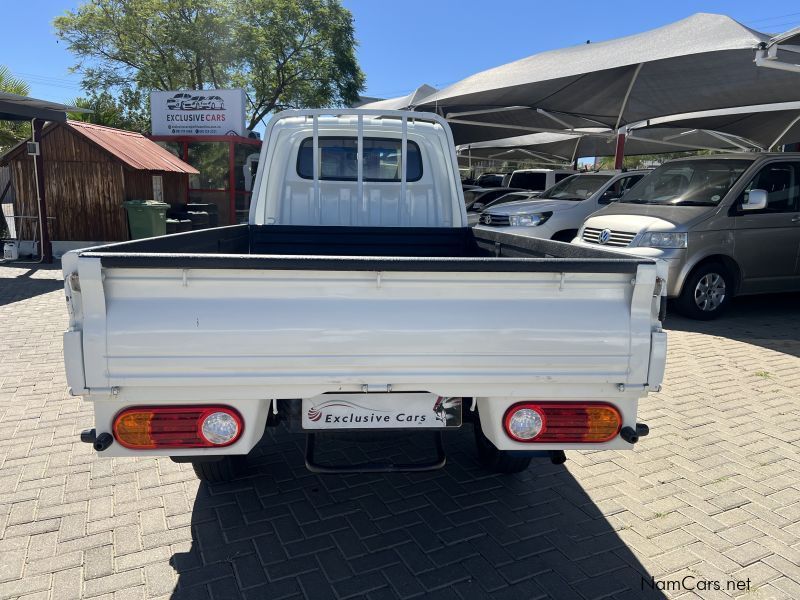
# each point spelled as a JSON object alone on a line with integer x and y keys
{"x": 782, "y": 183}
{"x": 338, "y": 159}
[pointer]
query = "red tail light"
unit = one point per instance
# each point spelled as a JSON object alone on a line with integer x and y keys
{"x": 149, "y": 427}
{"x": 567, "y": 422}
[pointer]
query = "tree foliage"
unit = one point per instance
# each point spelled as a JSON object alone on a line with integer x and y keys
{"x": 284, "y": 53}
{"x": 12, "y": 132}
{"x": 106, "y": 110}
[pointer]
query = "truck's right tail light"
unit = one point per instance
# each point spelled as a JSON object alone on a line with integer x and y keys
{"x": 150, "y": 427}
{"x": 568, "y": 422}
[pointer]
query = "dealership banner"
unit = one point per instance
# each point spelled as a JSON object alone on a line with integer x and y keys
{"x": 198, "y": 112}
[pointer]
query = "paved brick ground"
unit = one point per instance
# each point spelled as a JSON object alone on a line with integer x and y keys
{"x": 714, "y": 493}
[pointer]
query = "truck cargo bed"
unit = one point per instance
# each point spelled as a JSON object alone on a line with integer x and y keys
{"x": 286, "y": 247}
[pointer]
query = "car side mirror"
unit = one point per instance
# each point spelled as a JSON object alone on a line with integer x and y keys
{"x": 756, "y": 200}
{"x": 608, "y": 197}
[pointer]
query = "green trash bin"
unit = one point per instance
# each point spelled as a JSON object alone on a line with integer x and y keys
{"x": 146, "y": 218}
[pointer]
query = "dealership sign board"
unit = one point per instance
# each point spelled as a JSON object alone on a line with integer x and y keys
{"x": 198, "y": 112}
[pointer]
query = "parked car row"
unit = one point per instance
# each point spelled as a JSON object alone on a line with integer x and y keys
{"x": 726, "y": 225}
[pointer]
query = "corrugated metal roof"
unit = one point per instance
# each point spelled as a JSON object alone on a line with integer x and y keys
{"x": 134, "y": 149}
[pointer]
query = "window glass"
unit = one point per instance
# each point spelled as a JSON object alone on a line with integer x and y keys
{"x": 241, "y": 153}
{"x": 688, "y": 182}
{"x": 576, "y": 187}
{"x": 528, "y": 181}
{"x": 338, "y": 159}
{"x": 211, "y": 159}
{"x": 781, "y": 181}
{"x": 560, "y": 176}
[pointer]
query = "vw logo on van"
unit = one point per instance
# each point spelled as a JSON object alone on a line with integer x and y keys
{"x": 604, "y": 236}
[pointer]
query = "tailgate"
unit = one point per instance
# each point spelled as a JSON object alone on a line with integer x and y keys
{"x": 314, "y": 331}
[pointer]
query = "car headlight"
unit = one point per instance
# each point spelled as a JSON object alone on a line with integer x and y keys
{"x": 657, "y": 239}
{"x": 528, "y": 220}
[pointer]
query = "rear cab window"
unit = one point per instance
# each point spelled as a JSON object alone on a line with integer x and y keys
{"x": 339, "y": 159}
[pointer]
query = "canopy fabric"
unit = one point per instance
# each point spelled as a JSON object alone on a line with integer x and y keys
{"x": 767, "y": 125}
{"x": 23, "y": 108}
{"x": 702, "y": 62}
{"x": 403, "y": 102}
{"x": 600, "y": 142}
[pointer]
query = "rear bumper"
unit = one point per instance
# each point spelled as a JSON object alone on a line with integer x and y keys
{"x": 255, "y": 410}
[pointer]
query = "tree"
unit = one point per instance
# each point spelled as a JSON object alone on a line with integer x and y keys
{"x": 12, "y": 132}
{"x": 297, "y": 53}
{"x": 109, "y": 112}
{"x": 284, "y": 53}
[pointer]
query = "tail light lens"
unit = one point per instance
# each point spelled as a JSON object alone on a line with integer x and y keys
{"x": 149, "y": 427}
{"x": 567, "y": 422}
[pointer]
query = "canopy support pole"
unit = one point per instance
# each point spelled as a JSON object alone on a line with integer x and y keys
{"x": 619, "y": 152}
{"x": 791, "y": 124}
{"x": 768, "y": 56}
{"x": 46, "y": 251}
{"x": 609, "y": 135}
{"x": 575, "y": 153}
{"x": 561, "y": 122}
{"x": 550, "y": 114}
{"x": 628, "y": 94}
{"x": 725, "y": 138}
{"x": 684, "y": 147}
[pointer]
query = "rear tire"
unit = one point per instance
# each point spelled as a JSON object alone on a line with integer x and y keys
{"x": 707, "y": 292}
{"x": 218, "y": 471}
{"x": 494, "y": 460}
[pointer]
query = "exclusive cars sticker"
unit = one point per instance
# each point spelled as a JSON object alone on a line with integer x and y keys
{"x": 380, "y": 411}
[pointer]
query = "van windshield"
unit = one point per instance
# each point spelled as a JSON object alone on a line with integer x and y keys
{"x": 687, "y": 183}
{"x": 577, "y": 187}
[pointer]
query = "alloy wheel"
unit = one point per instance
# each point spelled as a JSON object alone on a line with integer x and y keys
{"x": 709, "y": 293}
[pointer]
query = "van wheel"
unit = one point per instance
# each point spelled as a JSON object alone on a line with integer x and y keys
{"x": 707, "y": 292}
{"x": 217, "y": 471}
{"x": 494, "y": 460}
{"x": 565, "y": 236}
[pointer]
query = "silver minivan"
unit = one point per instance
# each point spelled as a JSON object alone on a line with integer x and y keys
{"x": 724, "y": 224}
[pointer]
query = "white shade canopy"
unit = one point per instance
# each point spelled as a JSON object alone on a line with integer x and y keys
{"x": 768, "y": 125}
{"x": 566, "y": 147}
{"x": 703, "y": 62}
{"x": 403, "y": 102}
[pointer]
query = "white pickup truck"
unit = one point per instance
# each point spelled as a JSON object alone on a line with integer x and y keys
{"x": 357, "y": 298}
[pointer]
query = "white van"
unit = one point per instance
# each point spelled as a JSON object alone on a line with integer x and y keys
{"x": 536, "y": 180}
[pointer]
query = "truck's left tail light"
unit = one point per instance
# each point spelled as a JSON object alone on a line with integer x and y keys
{"x": 149, "y": 427}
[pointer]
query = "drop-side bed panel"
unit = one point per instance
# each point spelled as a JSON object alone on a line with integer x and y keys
{"x": 473, "y": 318}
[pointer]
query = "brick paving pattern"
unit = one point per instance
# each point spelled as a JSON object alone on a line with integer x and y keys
{"x": 713, "y": 493}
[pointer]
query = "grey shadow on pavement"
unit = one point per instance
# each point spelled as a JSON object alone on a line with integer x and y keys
{"x": 283, "y": 532}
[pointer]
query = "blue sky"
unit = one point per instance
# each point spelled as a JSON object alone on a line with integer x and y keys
{"x": 404, "y": 44}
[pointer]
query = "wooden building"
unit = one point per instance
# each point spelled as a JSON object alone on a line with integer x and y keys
{"x": 89, "y": 171}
